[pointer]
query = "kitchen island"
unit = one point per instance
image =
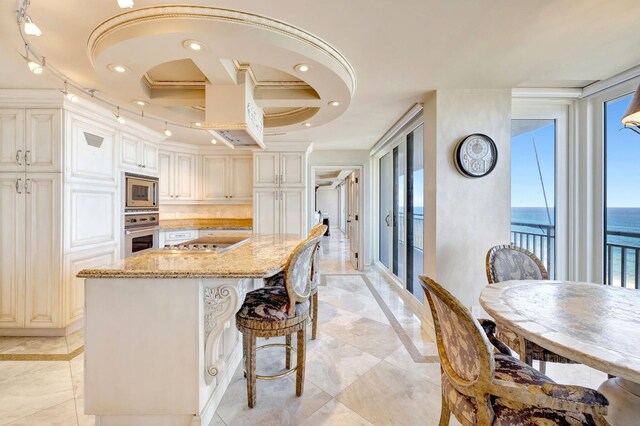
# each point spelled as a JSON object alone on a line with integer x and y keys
{"x": 161, "y": 345}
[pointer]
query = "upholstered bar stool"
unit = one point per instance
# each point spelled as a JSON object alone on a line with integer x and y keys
{"x": 278, "y": 279}
{"x": 279, "y": 311}
{"x": 508, "y": 262}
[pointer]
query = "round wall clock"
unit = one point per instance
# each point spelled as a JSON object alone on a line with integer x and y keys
{"x": 476, "y": 155}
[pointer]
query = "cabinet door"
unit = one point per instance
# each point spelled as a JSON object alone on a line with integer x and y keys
{"x": 266, "y": 211}
{"x": 149, "y": 157}
{"x": 12, "y": 252}
{"x": 240, "y": 179}
{"x": 12, "y": 140}
{"x": 166, "y": 172}
{"x": 292, "y": 169}
{"x": 266, "y": 168}
{"x": 185, "y": 183}
{"x": 43, "y": 142}
{"x": 43, "y": 250}
{"x": 129, "y": 152}
{"x": 292, "y": 211}
{"x": 214, "y": 178}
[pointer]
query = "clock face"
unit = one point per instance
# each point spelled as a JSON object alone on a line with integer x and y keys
{"x": 476, "y": 155}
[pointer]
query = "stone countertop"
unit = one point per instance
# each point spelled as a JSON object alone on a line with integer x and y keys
{"x": 593, "y": 324}
{"x": 262, "y": 256}
{"x": 208, "y": 223}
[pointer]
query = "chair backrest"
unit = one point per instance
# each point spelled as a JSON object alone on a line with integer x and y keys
{"x": 298, "y": 271}
{"x": 318, "y": 230}
{"x": 466, "y": 355}
{"x": 508, "y": 262}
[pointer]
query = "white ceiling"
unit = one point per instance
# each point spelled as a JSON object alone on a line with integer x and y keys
{"x": 400, "y": 50}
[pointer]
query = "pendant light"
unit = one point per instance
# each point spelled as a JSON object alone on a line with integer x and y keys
{"x": 631, "y": 117}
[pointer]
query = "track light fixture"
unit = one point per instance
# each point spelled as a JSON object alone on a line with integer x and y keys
{"x": 166, "y": 130}
{"x": 30, "y": 28}
{"x": 120, "y": 118}
{"x": 67, "y": 94}
{"x": 34, "y": 67}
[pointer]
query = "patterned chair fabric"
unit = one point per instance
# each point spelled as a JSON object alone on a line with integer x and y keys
{"x": 269, "y": 304}
{"x": 514, "y": 263}
{"x": 497, "y": 389}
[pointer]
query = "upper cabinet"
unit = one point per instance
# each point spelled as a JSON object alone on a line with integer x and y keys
{"x": 227, "y": 178}
{"x": 177, "y": 176}
{"x": 30, "y": 140}
{"x": 138, "y": 155}
{"x": 284, "y": 169}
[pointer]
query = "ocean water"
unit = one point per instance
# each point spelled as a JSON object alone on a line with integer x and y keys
{"x": 621, "y": 219}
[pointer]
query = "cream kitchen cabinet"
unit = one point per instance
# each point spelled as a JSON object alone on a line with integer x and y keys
{"x": 31, "y": 140}
{"x": 177, "y": 176}
{"x": 284, "y": 169}
{"x": 279, "y": 211}
{"x": 138, "y": 155}
{"x": 227, "y": 178}
{"x": 30, "y": 250}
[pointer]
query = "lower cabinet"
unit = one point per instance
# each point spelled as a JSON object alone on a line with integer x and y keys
{"x": 279, "y": 210}
{"x": 30, "y": 250}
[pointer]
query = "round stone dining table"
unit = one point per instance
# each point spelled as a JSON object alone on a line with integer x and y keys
{"x": 593, "y": 324}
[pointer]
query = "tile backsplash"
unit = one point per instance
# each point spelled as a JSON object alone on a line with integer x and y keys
{"x": 200, "y": 211}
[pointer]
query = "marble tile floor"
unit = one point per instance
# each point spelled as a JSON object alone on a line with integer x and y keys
{"x": 373, "y": 363}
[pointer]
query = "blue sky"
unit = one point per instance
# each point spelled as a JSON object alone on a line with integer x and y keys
{"x": 623, "y": 157}
{"x": 526, "y": 190}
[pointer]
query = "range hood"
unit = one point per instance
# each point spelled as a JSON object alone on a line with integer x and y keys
{"x": 232, "y": 116}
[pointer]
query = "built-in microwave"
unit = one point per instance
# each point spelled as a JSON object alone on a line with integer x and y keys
{"x": 141, "y": 192}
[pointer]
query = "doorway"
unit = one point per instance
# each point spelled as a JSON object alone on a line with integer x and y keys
{"x": 338, "y": 202}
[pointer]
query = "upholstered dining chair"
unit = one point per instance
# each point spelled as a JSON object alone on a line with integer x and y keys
{"x": 508, "y": 262}
{"x": 484, "y": 388}
{"x": 278, "y": 280}
{"x": 279, "y": 311}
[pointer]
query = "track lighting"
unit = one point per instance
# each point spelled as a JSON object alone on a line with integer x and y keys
{"x": 69, "y": 95}
{"x": 166, "y": 130}
{"x": 214, "y": 141}
{"x": 120, "y": 118}
{"x": 30, "y": 28}
{"x": 35, "y": 67}
{"x": 125, "y": 4}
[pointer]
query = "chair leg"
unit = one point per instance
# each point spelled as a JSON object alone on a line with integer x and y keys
{"x": 287, "y": 357}
{"x": 302, "y": 347}
{"x": 314, "y": 312}
{"x": 445, "y": 412}
{"x": 543, "y": 367}
{"x": 249, "y": 343}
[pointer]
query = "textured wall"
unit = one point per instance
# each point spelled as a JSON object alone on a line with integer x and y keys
{"x": 465, "y": 217}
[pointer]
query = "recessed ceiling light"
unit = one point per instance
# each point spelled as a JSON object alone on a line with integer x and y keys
{"x": 334, "y": 103}
{"x": 196, "y": 124}
{"x": 307, "y": 124}
{"x": 302, "y": 67}
{"x": 125, "y": 4}
{"x": 140, "y": 103}
{"x": 120, "y": 69}
{"x": 214, "y": 141}
{"x": 194, "y": 45}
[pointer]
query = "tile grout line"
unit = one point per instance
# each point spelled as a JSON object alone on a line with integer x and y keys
{"x": 393, "y": 322}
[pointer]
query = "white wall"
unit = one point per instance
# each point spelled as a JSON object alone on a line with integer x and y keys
{"x": 327, "y": 202}
{"x": 464, "y": 217}
{"x": 350, "y": 158}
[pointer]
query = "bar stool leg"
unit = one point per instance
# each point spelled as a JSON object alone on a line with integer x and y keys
{"x": 250, "y": 354}
{"x": 302, "y": 346}
{"x": 287, "y": 359}
{"x": 314, "y": 307}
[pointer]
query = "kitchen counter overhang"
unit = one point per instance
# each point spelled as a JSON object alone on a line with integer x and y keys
{"x": 260, "y": 257}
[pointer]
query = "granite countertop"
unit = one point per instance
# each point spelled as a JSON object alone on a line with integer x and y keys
{"x": 260, "y": 257}
{"x": 209, "y": 223}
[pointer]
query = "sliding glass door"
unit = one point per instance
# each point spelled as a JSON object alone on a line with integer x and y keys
{"x": 401, "y": 209}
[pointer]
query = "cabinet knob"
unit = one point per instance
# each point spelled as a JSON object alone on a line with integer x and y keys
{"x": 27, "y": 154}
{"x": 26, "y": 186}
{"x": 18, "y": 154}
{"x": 18, "y": 186}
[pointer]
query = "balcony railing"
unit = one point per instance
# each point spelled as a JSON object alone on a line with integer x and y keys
{"x": 622, "y": 259}
{"x": 418, "y": 230}
{"x": 538, "y": 239}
